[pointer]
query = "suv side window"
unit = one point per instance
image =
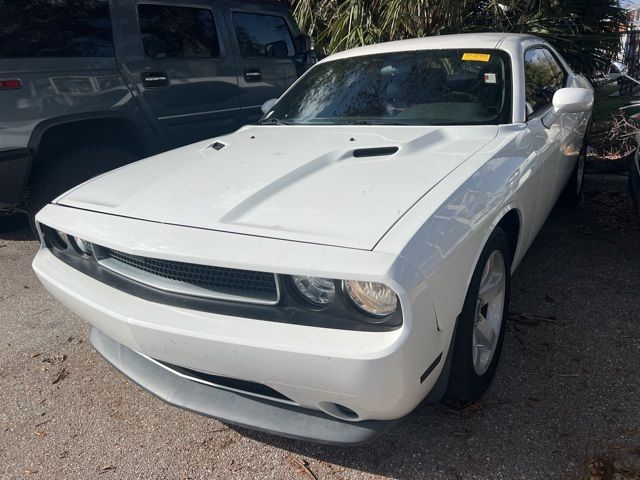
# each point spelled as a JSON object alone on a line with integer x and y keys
{"x": 261, "y": 35}
{"x": 33, "y": 28}
{"x": 178, "y": 32}
{"x": 543, "y": 76}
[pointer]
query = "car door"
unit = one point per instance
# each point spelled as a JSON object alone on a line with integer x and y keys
{"x": 176, "y": 59}
{"x": 267, "y": 63}
{"x": 541, "y": 83}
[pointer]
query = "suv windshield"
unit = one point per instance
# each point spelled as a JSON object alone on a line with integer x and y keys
{"x": 425, "y": 87}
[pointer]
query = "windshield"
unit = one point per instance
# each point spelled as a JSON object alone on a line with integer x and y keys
{"x": 425, "y": 87}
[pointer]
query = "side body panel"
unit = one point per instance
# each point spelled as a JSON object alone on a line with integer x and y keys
{"x": 60, "y": 87}
{"x": 56, "y": 91}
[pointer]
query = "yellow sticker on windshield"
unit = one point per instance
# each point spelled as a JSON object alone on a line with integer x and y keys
{"x": 476, "y": 57}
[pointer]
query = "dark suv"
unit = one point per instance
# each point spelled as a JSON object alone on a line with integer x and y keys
{"x": 89, "y": 85}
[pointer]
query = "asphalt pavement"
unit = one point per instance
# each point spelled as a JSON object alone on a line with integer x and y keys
{"x": 566, "y": 399}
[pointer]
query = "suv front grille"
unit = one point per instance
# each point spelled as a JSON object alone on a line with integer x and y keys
{"x": 192, "y": 279}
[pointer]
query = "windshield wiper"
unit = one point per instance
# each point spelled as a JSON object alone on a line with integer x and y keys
{"x": 275, "y": 121}
{"x": 375, "y": 122}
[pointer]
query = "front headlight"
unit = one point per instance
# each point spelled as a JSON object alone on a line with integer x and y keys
{"x": 371, "y": 297}
{"x": 82, "y": 246}
{"x": 317, "y": 290}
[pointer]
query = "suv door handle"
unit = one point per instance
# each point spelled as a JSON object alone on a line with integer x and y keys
{"x": 252, "y": 75}
{"x": 154, "y": 78}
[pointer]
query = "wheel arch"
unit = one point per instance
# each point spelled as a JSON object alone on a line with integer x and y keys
{"x": 511, "y": 223}
{"x": 97, "y": 128}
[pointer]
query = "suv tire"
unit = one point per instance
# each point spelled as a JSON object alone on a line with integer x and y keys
{"x": 68, "y": 169}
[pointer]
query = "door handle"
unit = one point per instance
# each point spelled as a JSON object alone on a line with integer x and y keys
{"x": 154, "y": 78}
{"x": 252, "y": 75}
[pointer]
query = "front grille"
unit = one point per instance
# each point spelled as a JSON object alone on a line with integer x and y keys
{"x": 192, "y": 279}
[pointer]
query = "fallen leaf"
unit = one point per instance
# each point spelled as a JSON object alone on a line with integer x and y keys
{"x": 41, "y": 433}
{"x": 61, "y": 375}
{"x": 34, "y": 355}
{"x": 302, "y": 467}
{"x": 531, "y": 319}
{"x": 107, "y": 468}
{"x": 31, "y": 471}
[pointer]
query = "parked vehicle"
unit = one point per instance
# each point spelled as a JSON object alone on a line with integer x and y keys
{"x": 634, "y": 178}
{"x": 85, "y": 89}
{"x": 615, "y": 71}
{"x": 319, "y": 274}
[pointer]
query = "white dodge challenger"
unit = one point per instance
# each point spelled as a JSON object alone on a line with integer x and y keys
{"x": 320, "y": 274}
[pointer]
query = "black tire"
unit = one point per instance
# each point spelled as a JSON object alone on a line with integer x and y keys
{"x": 572, "y": 194}
{"x": 11, "y": 222}
{"x": 465, "y": 384}
{"x": 68, "y": 169}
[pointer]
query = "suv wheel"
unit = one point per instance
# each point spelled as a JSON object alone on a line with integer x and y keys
{"x": 68, "y": 169}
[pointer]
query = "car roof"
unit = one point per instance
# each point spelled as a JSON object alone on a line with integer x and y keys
{"x": 457, "y": 41}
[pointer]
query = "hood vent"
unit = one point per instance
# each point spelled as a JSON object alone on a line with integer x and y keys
{"x": 218, "y": 146}
{"x": 374, "y": 152}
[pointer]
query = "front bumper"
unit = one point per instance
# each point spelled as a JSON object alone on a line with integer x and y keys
{"x": 241, "y": 410}
{"x": 14, "y": 173}
{"x": 379, "y": 375}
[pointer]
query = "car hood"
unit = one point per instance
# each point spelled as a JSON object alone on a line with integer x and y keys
{"x": 329, "y": 185}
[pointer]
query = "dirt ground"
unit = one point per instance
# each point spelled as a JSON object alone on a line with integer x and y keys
{"x": 565, "y": 403}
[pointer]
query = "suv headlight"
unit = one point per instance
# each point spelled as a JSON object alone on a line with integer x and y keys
{"x": 372, "y": 297}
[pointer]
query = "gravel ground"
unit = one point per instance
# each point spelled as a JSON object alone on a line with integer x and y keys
{"x": 566, "y": 394}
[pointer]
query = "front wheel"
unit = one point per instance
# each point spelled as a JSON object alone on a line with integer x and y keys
{"x": 69, "y": 169}
{"x": 480, "y": 331}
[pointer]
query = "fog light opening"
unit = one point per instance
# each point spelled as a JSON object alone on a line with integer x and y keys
{"x": 339, "y": 411}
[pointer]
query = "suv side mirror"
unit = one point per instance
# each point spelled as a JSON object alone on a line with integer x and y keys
{"x": 304, "y": 44}
{"x": 276, "y": 49}
{"x": 268, "y": 105}
{"x": 568, "y": 100}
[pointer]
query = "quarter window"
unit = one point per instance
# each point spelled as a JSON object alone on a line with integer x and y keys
{"x": 543, "y": 76}
{"x": 178, "y": 32}
{"x": 263, "y": 35}
{"x": 60, "y": 28}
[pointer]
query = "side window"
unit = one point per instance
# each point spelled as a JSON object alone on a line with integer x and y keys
{"x": 263, "y": 35}
{"x": 540, "y": 80}
{"x": 558, "y": 73}
{"x": 543, "y": 76}
{"x": 177, "y": 32}
{"x": 64, "y": 28}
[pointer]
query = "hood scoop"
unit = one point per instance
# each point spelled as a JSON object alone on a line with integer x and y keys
{"x": 374, "y": 152}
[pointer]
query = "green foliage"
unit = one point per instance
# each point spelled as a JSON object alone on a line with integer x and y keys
{"x": 586, "y": 32}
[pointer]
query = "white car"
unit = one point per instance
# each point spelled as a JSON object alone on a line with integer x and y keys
{"x": 319, "y": 274}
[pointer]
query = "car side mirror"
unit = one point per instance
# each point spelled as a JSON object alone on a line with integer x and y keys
{"x": 568, "y": 100}
{"x": 268, "y": 105}
{"x": 304, "y": 44}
